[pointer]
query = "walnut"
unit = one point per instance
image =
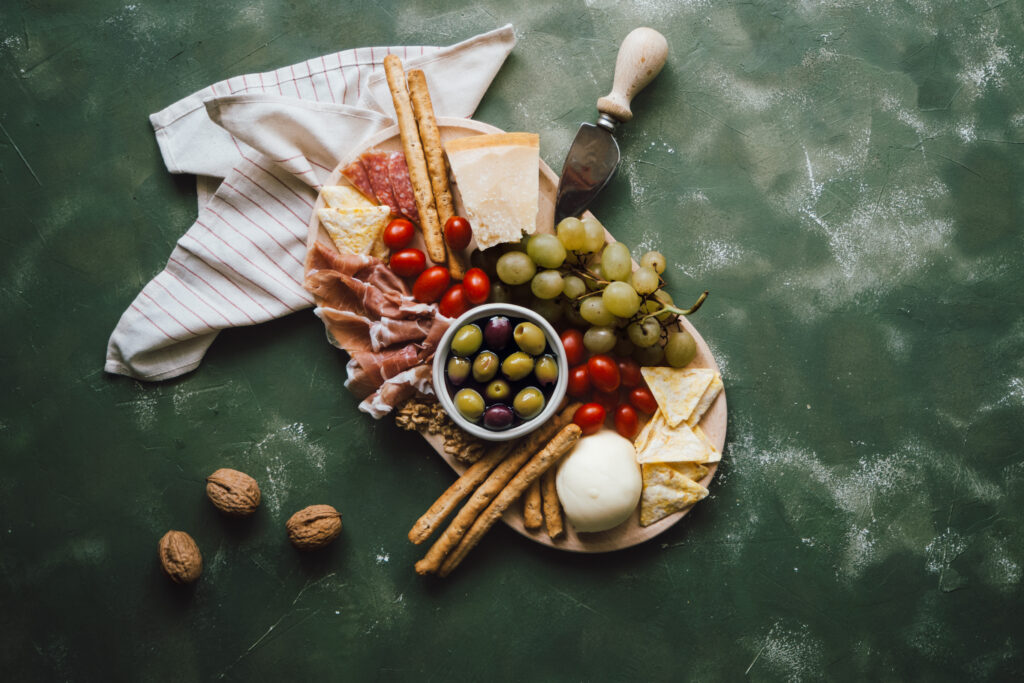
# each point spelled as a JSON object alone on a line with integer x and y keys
{"x": 180, "y": 557}
{"x": 232, "y": 492}
{"x": 314, "y": 527}
{"x": 425, "y": 414}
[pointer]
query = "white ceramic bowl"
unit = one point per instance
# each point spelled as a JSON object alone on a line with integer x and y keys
{"x": 444, "y": 350}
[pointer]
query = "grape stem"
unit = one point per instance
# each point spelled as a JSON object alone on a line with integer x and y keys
{"x": 678, "y": 311}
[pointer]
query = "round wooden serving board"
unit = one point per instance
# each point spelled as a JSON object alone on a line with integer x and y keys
{"x": 630, "y": 532}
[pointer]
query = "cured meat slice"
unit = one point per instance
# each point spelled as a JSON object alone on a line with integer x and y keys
{"x": 356, "y": 174}
{"x": 401, "y": 186}
{"x": 368, "y": 312}
{"x": 376, "y": 164}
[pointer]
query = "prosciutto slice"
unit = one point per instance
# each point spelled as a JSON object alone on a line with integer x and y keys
{"x": 355, "y": 173}
{"x": 369, "y": 313}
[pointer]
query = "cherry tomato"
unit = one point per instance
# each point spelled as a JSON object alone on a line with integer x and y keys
{"x": 453, "y": 303}
{"x": 627, "y": 423}
{"x": 609, "y": 400}
{"x": 408, "y": 262}
{"x": 604, "y": 372}
{"x": 572, "y": 342}
{"x": 457, "y": 232}
{"x": 579, "y": 381}
{"x": 431, "y": 284}
{"x": 589, "y": 417}
{"x": 642, "y": 399}
{"x": 629, "y": 372}
{"x": 398, "y": 234}
{"x": 477, "y": 285}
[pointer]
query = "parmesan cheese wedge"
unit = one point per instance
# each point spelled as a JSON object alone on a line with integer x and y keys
{"x": 498, "y": 178}
{"x": 677, "y": 391}
{"x": 355, "y": 229}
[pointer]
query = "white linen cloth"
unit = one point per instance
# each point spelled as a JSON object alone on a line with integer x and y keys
{"x": 273, "y": 138}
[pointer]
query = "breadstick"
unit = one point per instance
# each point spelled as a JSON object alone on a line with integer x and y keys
{"x": 491, "y": 487}
{"x": 482, "y": 497}
{"x": 556, "y": 448}
{"x": 433, "y": 152}
{"x": 552, "y": 508}
{"x": 414, "y": 160}
{"x": 532, "y": 518}
{"x": 462, "y": 487}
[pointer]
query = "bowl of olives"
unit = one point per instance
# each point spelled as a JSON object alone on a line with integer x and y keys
{"x": 500, "y": 371}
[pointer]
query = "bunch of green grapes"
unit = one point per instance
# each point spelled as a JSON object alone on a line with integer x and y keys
{"x": 575, "y": 275}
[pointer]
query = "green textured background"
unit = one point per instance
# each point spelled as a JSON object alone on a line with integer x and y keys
{"x": 844, "y": 176}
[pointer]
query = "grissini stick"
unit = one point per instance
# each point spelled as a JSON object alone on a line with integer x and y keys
{"x": 415, "y": 160}
{"x": 563, "y": 442}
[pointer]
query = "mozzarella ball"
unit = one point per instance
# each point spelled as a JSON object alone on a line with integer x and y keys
{"x": 599, "y": 482}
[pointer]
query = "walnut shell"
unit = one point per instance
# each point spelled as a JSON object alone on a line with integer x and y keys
{"x": 314, "y": 527}
{"x": 180, "y": 557}
{"x": 232, "y": 492}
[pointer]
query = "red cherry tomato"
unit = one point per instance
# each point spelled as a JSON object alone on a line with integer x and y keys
{"x": 579, "y": 381}
{"x": 627, "y": 423}
{"x": 408, "y": 262}
{"x": 629, "y": 372}
{"x": 642, "y": 399}
{"x": 589, "y": 417}
{"x": 609, "y": 400}
{"x": 453, "y": 303}
{"x": 457, "y": 232}
{"x": 477, "y": 285}
{"x": 431, "y": 284}
{"x": 604, "y": 372}
{"x": 398, "y": 234}
{"x": 572, "y": 342}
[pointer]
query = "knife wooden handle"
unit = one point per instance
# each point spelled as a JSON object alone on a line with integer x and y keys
{"x": 641, "y": 57}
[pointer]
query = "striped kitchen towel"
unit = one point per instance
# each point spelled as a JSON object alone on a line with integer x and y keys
{"x": 266, "y": 142}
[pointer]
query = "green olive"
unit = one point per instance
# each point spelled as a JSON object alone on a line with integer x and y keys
{"x": 497, "y": 390}
{"x": 546, "y": 369}
{"x": 467, "y": 340}
{"x": 530, "y": 338}
{"x": 485, "y": 366}
{"x": 469, "y": 403}
{"x": 458, "y": 369}
{"x": 517, "y": 366}
{"x": 528, "y": 403}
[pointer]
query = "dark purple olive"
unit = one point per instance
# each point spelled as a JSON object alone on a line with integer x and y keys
{"x": 497, "y": 332}
{"x": 498, "y": 416}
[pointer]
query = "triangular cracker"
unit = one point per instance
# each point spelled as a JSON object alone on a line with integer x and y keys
{"x": 677, "y": 391}
{"x": 713, "y": 454}
{"x": 665, "y": 444}
{"x": 355, "y": 229}
{"x": 706, "y": 399}
{"x": 665, "y": 492}
{"x": 344, "y": 197}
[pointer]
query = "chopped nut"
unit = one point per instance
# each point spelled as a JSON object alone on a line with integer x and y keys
{"x": 425, "y": 414}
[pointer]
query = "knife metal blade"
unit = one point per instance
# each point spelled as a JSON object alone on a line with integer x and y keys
{"x": 594, "y": 153}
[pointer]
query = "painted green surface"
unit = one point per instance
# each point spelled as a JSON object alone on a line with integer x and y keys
{"x": 844, "y": 176}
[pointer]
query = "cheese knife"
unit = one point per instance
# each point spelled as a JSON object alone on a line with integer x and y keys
{"x": 594, "y": 154}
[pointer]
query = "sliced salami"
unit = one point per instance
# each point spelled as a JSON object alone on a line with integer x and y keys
{"x": 355, "y": 173}
{"x": 376, "y": 164}
{"x": 401, "y": 186}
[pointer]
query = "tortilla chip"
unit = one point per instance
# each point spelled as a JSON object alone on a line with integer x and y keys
{"x": 665, "y": 444}
{"x": 354, "y": 229}
{"x": 665, "y": 492}
{"x": 690, "y": 470}
{"x": 713, "y": 454}
{"x": 344, "y": 197}
{"x": 706, "y": 399}
{"x": 677, "y": 391}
